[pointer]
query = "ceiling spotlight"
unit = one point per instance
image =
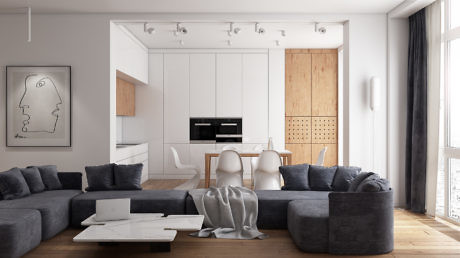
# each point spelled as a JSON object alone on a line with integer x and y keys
{"x": 148, "y": 29}
{"x": 283, "y": 33}
{"x": 229, "y": 42}
{"x": 181, "y": 42}
{"x": 278, "y": 43}
{"x": 321, "y": 30}
{"x": 259, "y": 29}
{"x": 233, "y": 30}
{"x": 180, "y": 29}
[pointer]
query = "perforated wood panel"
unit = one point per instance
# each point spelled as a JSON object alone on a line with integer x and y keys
{"x": 298, "y": 129}
{"x": 311, "y": 104}
{"x": 324, "y": 130}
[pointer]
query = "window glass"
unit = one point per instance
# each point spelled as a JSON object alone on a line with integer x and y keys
{"x": 454, "y": 206}
{"x": 454, "y": 93}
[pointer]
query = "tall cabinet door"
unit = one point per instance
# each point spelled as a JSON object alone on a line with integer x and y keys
{"x": 229, "y": 85}
{"x": 176, "y": 98}
{"x": 255, "y": 98}
{"x": 202, "y": 85}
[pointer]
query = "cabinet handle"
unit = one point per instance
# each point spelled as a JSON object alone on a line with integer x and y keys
{"x": 229, "y": 124}
{"x": 202, "y": 124}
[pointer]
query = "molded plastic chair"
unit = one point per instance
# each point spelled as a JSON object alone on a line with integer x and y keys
{"x": 322, "y": 153}
{"x": 229, "y": 169}
{"x": 191, "y": 183}
{"x": 254, "y": 161}
{"x": 267, "y": 175}
{"x": 229, "y": 147}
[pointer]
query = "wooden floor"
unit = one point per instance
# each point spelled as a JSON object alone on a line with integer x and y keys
{"x": 415, "y": 236}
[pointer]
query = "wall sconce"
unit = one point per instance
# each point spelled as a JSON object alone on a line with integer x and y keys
{"x": 375, "y": 93}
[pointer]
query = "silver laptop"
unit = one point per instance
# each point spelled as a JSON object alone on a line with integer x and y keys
{"x": 112, "y": 209}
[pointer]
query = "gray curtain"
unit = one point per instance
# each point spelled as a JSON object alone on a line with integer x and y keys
{"x": 416, "y": 133}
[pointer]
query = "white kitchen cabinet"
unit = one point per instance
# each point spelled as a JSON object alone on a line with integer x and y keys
{"x": 255, "y": 98}
{"x": 202, "y": 85}
{"x": 176, "y": 98}
{"x": 229, "y": 85}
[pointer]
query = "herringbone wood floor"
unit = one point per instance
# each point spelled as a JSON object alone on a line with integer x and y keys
{"x": 415, "y": 236}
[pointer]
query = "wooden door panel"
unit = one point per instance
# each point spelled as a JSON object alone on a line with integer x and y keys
{"x": 298, "y": 84}
{"x": 301, "y": 153}
{"x": 324, "y": 85}
{"x": 298, "y": 129}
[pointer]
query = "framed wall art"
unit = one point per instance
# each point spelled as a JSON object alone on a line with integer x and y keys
{"x": 38, "y": 106}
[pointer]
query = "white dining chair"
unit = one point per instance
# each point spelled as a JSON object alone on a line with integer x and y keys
{"x": 191, "y": 183}
{"x": 267, "y": 175}
{"x": 230, "y": 147}
{"x": 229, "y": 169}
{"x": 254, "y": 161}
{"x": 322, "y": 154}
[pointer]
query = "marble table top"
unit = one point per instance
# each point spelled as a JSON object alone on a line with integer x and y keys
{"x": 141, "y": 227}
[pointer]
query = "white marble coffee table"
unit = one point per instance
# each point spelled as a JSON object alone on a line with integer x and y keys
{"x": 153, "y": 228}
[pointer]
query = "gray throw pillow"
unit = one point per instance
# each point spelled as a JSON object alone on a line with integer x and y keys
{"x": 13, "y": 185}
{"x": 343, "y": 178}
{"x": 295, "y": 177}
{"x": 321, "y": 178}
{"x": 49, "y": 174}
{"x": 373, "y": 183}
{"x": 100, "y": 178}
{"x": 358, "y": 179}
{"x": 33, "y": 179}
{"x": 128, "y": 177}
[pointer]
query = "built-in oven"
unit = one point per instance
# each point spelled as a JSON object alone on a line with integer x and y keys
{"x": 202, "y": 130}
{"x": 229, "y": 130}
{"x": 212, "y": 130}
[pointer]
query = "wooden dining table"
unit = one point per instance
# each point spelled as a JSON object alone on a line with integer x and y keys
{"x": 286, "y": 156}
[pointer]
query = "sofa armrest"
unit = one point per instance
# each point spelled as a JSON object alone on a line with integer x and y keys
{"x": 70, "y": 180}
{"x": 361, "y": 223}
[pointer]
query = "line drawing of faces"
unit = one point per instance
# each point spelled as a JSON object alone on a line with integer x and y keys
{"x": 39, "y": 104}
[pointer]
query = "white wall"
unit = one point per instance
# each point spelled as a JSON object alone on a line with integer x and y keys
{"x": 276, "y": 69}
{"x": 81, "y": 42}
{"x": 398, "y": 38}
{"x": 365, "y": 55}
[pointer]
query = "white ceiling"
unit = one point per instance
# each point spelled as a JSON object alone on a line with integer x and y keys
{"x": 214, "y": 35}
{"x": 203, "y": 6}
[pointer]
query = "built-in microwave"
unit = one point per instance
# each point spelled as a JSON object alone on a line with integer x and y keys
{"x": 212, "y": 130}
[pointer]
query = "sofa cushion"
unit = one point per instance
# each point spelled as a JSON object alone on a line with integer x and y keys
{"x": 308, "y": 224}
{"x": 343, "y": 177}
{"x": 373, "y": 183}
{"x": 33, "y": 179}
{"x": 20, "y": 231}
{"x": 13, "y": 185}
{"x": 357, "y": 180}
{"x": 49, "y": 174}
{"x": 273, "y": 205}
{"x": 128, "y": 177}
{"x": 100, "y": 178}
{"x": 145, "y": 201}
{"x": 321, "y": 178}
{"x": 295, "y": 177}
{"x": 54, "y": 207}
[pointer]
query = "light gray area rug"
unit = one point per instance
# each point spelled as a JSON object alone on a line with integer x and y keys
{"x": 229, "y": 212}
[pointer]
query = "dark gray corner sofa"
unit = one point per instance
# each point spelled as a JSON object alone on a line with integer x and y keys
{"x": 27, "y": 221}
{"x": 318, "y": 221}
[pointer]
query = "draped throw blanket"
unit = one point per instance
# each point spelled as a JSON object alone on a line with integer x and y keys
{"x": 229, "y": 212}
{"x": 416, "y": 133}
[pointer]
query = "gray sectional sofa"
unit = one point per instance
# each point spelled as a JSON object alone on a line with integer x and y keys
{"x": 318, "y": 221}
{"x": 26, "y": 221}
